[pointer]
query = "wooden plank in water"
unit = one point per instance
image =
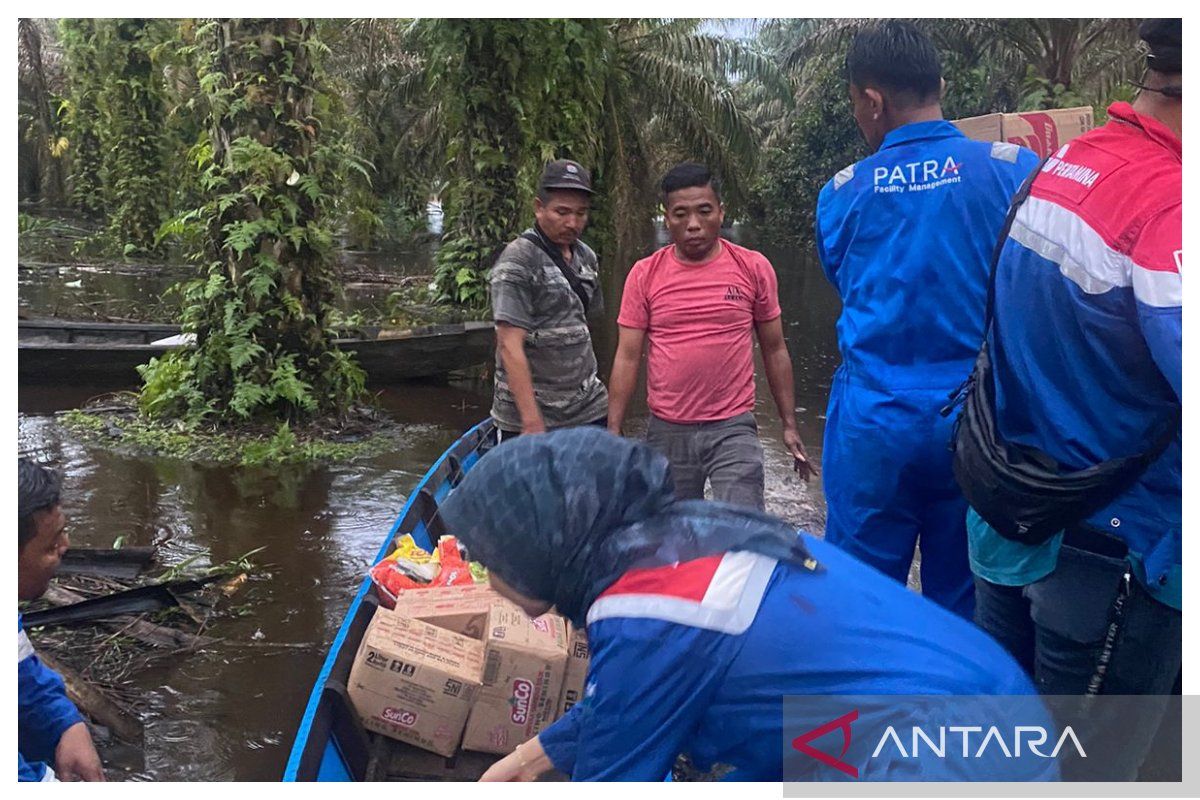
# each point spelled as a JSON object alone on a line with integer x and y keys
{"x": 125, "y": 563}
{"x": 96, "y": 705}
{"x": 147, "y": 632}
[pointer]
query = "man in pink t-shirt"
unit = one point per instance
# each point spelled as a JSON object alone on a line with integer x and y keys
{"x": 696, "y": 304}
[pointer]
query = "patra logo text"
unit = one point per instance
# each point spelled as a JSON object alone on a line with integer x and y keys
{"x": 917, "y": 175}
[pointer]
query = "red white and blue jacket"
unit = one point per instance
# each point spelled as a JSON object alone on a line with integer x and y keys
{"x": 44, "y": 712}
{"x": 697, "y": 657}
{"x": 1087, "y": 343}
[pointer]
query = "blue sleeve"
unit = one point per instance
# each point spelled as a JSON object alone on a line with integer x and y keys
{"x": 1027, "y": 162}
{"x": 561, "y": 740}
{"x": 1158, "y": 291}
{"x": 1162, "y": 328}
{"x": 44, "y": 711}
{"x": 27, "y": 772}
{"x": 828, "y": 262}
{"x": 649, "y": 684}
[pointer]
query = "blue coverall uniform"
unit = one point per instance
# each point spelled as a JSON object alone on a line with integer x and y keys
{"x": 707, "y": 677}
{"x": 906, "y": 237}
{"x": 44, "y": 712}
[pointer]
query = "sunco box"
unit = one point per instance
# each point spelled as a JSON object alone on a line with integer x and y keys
{"x": 577, "y": 667}
{"x": 415, "y": 682}
{"x": 525, "y": 663}
{"x": 1043, "y": 132}
{"x": 462, "y": 609}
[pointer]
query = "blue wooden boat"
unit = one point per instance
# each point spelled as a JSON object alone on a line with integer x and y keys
{"x": 331, "y": 744}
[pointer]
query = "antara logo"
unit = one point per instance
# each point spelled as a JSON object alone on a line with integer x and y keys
{"x": 917, "y": 175}
{"x": 975, "y": 742}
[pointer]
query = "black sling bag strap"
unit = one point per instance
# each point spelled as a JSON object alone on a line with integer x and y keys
{"x": 1022, "y": 492}
{"x": 556, "y": 256}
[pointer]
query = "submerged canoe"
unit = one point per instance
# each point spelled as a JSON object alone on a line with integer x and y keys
{"x": 107, "y": 354}
{"x": 331, "y": 744}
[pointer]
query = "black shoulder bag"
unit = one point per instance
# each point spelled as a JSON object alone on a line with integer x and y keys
{"x": 556, "y": 256}
{"x": 1023, "y": 493}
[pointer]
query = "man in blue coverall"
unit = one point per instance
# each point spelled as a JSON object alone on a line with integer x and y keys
{"x": 53, "y": 742}
{"x": 1087, "y": 354}
{"x": 906, "y": 236}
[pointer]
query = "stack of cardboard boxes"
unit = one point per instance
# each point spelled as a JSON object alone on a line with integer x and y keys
{"x": 463, "y": 665}
{"x": 1043, "y": 132}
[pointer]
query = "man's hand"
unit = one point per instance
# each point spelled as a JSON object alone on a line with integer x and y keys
{"x": 527, "y": 763}
{"x": 804, "y": 468}
{"x": 75, "y": 758}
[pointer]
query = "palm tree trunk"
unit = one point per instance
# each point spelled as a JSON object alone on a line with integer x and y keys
{"x": 50, "y": 172}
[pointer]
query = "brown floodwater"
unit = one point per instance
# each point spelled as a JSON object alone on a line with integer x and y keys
{"x": 229, "y": 712}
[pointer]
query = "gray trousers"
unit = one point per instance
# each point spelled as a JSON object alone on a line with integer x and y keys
{"x": 726, "y": 453}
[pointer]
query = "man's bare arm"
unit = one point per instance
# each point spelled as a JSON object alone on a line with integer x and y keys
{"x": 510, "y": 345}
{"x": 623, "y": 379}
{"x": 778, "y": 364}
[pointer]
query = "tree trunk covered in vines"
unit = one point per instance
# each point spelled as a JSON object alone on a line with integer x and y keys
{"x": 82, "y": 118}
{"x": 50, "y": 184}
{"x": 133, "y": 116}
{"x": 483, "y": 201}
{"x": 264, "y": 345}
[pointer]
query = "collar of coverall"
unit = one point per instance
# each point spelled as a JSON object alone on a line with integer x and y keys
{"x": 1152, "y": 128}
{"x": 914, "y": 131}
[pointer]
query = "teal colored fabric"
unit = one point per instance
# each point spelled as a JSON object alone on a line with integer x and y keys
{"x": 1005, "y": 562}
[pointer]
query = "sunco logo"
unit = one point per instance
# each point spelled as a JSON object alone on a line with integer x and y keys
{"x": 917, "y": 175}
{"x": 522, "y": 693}
{"x": 400, "y": 716}
{"x": 965, "y": 741}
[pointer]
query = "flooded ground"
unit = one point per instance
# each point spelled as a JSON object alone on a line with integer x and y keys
{"x": 139, "y": 292}
{"x": 229, "y": 713}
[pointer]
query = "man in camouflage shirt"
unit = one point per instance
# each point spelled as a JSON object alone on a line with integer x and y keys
{"x": 544, "y": 288}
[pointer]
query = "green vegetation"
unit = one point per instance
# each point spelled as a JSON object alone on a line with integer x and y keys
{"x": 40, "y": 144}
{"x": 989, "y": 65}
{"x": 114, "y": 116}
{"x": 192, "y": 443}
{"x": 264, "y": 345}
{"x": 257, "y": 147}
{"x": 467, "y": 110}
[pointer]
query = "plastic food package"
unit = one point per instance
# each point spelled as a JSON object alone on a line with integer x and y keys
{"x": 409, "y": 568}
{"x": 454, "y": 570}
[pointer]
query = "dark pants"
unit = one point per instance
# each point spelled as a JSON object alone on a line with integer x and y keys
{"x": 726, "y": 453}
{"x": 1056, "y": 629}
{"x": 503, "y": 435}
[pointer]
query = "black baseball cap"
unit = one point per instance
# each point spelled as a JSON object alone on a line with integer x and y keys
{"x": 1164, "y": 38}
{"x": 566, "y": 174}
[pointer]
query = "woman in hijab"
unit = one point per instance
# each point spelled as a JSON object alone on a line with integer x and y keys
{"x": 700, "y": 617}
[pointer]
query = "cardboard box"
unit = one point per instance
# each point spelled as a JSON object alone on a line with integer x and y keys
{"x": 525, "y": 664}
{"x": 462, "y": 609}
{"x": 577, "y": 667}
{"x": 1043, "y": 132}
{"x": 415, "y": 682}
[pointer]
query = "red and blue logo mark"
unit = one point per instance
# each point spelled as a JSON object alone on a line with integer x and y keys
{"x": 842, "y": 723}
